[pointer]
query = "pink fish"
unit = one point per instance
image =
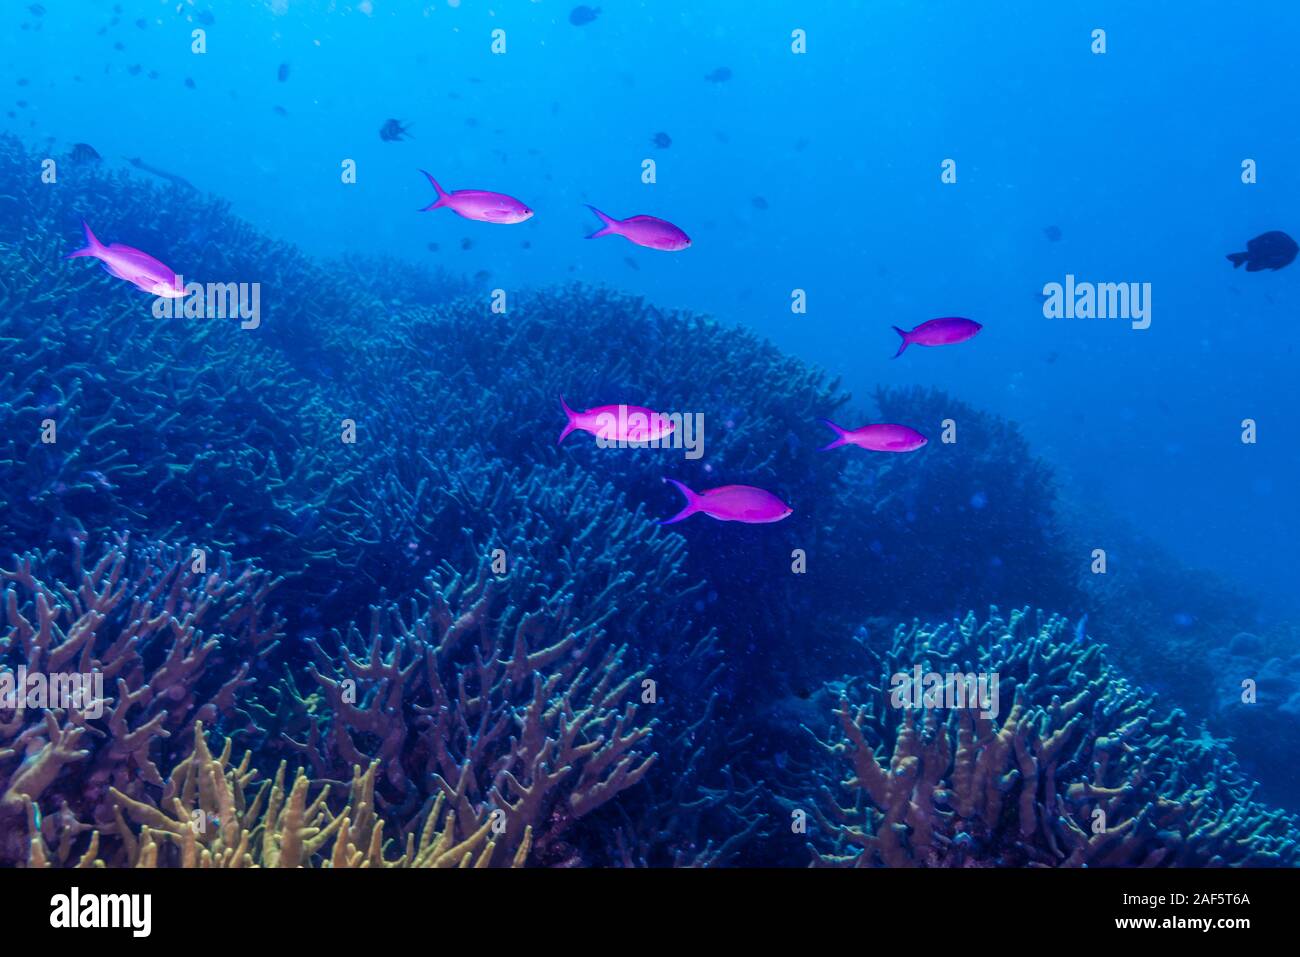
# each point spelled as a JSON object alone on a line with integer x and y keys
{"x": 480, "y": 204}
{"x": 645, "y": 231}
{"x": 732, "y": 503}
{"x": 938, "y": 332}
{"x": 877, "y": 438}
{"x": 617, "y": 423}
{"x": 136, "y": 267}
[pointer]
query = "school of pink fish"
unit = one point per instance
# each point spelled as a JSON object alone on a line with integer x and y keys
{"x": 617, "y": 423}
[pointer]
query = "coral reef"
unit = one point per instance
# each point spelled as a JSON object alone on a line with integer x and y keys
{"x": 1256, "y": 701}
{"x": 493, "y": 701}
{"x": 1183, "y": 627}
{"x": 196, "y": 430}
{"x": 530, "y": 713}
{"x": 170, "y": 645}
{"x": 503, "y": 374}
{"x": 214, "y": 821}
{"x": 982, "y": 507}
{"x": 452, "y": 642}
{"x": 1078, "y": 768}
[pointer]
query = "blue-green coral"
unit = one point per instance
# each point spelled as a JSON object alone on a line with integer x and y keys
{"x": 1079, "y": 767}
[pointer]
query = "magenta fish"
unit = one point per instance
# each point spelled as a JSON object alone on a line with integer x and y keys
{"x": 648, "y": 231}
{"x": 617, "y": 423}
{"x": 883, "y": 437}
{"x": 479, "y": 204}
{"x": 732, "y": 503}
{"x": 938, "y": 332}
{"x": 136, "y": 267}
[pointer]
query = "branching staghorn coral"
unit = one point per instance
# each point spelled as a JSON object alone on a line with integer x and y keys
{"x": 1079, "y": 767}
{"x": 704, "y": 812}
{"x": 493, "y": 690}
{"x": 529, "y": 715}
{"x": 495, "y": 702}
{"x": 217, "y": 818}
{"x": 583, "y": 567}
{"x": 171, "y": 646}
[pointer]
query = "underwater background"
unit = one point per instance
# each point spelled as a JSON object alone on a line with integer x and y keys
{"x": 353, "y": 604}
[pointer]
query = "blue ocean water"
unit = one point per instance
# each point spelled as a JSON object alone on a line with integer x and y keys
{"x": 885, "y": 163}
{"x": 1135, "y": 155}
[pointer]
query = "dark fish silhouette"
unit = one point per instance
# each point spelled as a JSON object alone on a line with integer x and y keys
{"x": 280, "y": 110}
{"x": 162, "y": 174}
{"x": 662, "y": 140}
{"x": 283, "y": 72}
{"x": 84, "y": 153}
{"x": 759, "y": 202}
{"x": 1271, "y": 250}
{"x": 721, "y": 75}
{"x": 1053, "y": 233}
{"x": 393, "y": 130}
{"x": 189, "y": 82}
{"x": 581, "y": 15}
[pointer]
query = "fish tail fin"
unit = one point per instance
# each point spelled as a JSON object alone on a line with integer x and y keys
{"x": 572, "y": 416}
{"x": 902, "y": 345}
{"x": 692, "y": 503}
{"x": 839, "y": 435}
{"x": 442, "y": 194}
{"x": 93, "y": 246}
{"x": 1237, "y": 258}
{"x": 607, "y": 227}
